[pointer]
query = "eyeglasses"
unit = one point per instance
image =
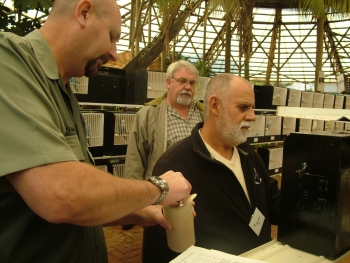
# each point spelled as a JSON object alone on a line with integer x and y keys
{"x": 193, "y": 83}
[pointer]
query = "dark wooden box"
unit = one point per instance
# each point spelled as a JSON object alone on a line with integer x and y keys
{"x": 315, "y": 198}
{"x": 264, "y": 97}
{"x": 108, "y": 86}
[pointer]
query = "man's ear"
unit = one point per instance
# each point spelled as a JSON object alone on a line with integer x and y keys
{"x": 214, "y": 104}
{"x": 167, "y": 81}
{"x": 82, "y": 11}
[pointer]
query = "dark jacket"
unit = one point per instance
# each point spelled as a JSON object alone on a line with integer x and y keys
{"x": 223, "y": 210}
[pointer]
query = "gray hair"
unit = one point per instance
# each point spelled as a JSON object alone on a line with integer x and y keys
{"x": 173, "y": 67}
{"x": 219, "y": 85}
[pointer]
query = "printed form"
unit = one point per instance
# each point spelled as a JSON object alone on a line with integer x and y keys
{"x": 202, "y": 255}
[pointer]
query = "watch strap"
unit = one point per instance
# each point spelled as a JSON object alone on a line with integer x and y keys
{"x": 163, "y": 186}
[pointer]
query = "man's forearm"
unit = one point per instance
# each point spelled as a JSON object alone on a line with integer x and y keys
{"x": 77, "y": 193}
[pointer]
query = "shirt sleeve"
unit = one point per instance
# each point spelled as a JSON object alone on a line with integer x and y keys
{"x": 31, "y": 132}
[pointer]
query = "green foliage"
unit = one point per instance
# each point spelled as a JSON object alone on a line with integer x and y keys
{"x": 318, "y": 8}
{"x": 263, "y": 145}
{"x": 205, "y": 72}
{"x": 259, "y": 82}
{"x": 178, "y": 56}
{"x": 24, "y": 16}
{"x": 32, "y": 4}
{"x": 283, "y": 84}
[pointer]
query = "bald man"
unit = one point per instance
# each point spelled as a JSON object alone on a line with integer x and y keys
{"x": 236, "y": 199}
{"x": 53, "y": 202}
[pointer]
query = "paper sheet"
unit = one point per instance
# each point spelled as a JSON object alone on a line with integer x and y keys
{"x": 201, "y": 255}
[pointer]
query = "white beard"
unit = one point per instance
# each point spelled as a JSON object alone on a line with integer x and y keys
{"x": 184, "y": 100}
{"x": 232, "y": 133}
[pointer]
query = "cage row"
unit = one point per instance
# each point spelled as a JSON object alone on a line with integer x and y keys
{"x": 107, "y": 132}
{"x": 114, "y": 166}
{"x": 273, "y": 158}
{"x": 269, "y": 97}
{"x": 117, "y": 86}
{"x": 274, "y": 128}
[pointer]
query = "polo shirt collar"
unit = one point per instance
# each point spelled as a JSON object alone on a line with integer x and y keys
{"x": 44, "y": 54}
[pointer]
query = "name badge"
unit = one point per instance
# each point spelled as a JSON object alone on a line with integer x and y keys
{"x": 257, "y": 221}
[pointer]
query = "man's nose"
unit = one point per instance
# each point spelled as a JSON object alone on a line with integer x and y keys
{"x": 188, "y": 85}
{"x": 251, "y": 116}
{"x": 113, "y": 54}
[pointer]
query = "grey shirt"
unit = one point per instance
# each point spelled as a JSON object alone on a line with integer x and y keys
{"x": 40, "y": 124}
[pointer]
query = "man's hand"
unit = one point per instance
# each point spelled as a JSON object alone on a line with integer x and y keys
{"x": 149, "y": 216}
{"x": 179, "y": 187}
{"x": 152, "y": 215}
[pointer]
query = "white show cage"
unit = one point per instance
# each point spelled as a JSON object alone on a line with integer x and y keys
{"x": 257, "y": 128}
{"x": 102, "y": 168}
{"x": 122, "y": 127}
{"x": 94, "y": 124}
{"x": 79, "y": 85}
{"x": 118, "y": 169}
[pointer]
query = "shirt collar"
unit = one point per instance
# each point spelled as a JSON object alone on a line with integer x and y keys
{"x": 44, "y": 54}
{"x": 191, "y": 106}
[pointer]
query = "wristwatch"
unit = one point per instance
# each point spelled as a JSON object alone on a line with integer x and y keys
{"x": 162, "y": 184}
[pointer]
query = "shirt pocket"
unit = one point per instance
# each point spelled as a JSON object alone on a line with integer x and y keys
{"x": 73, "y": 142}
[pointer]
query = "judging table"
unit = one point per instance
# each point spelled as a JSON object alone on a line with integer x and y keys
{"x": 277, "y": 252}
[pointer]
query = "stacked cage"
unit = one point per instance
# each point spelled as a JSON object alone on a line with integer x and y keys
{"x": 107, "y": 134}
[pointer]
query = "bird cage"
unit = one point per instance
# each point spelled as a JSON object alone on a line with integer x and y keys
{"x": 156, "y": 84}
{"x": 107, "y": 132}
{"x": 347, "y": 83}
{"x": 122, "y": 127}
{"x": 102, "y": 167}
{"x": 118, "y": 169}
{"x": 94, "y": 124}
{"x": 79, "y": 85}
{"x": 116, "y": 133}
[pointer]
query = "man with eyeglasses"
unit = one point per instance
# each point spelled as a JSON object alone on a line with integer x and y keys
{"x": 164, "y": 121}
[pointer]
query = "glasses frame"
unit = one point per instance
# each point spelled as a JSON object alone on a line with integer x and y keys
{"x": 182, "y": 82}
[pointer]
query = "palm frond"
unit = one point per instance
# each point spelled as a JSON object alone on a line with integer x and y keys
{"x": 319, "y": 8}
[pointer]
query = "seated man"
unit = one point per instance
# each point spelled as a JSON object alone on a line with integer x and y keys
{"x": 229, "y": 177}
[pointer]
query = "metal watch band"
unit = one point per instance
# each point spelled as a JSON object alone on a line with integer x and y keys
{"x": 161, "y": 198}
{"x": 163, "y": 186}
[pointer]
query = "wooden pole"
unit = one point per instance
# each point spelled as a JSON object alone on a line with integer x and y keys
{"x": 274, "y": 39}
{"x": 132, "y": 29}
{"x": 319, "y": 53}
{"x": 204, "y": 58}
{"x": 228, "y": 44}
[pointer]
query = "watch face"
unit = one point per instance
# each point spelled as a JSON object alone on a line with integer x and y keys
{"x": 162, "y": 184}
